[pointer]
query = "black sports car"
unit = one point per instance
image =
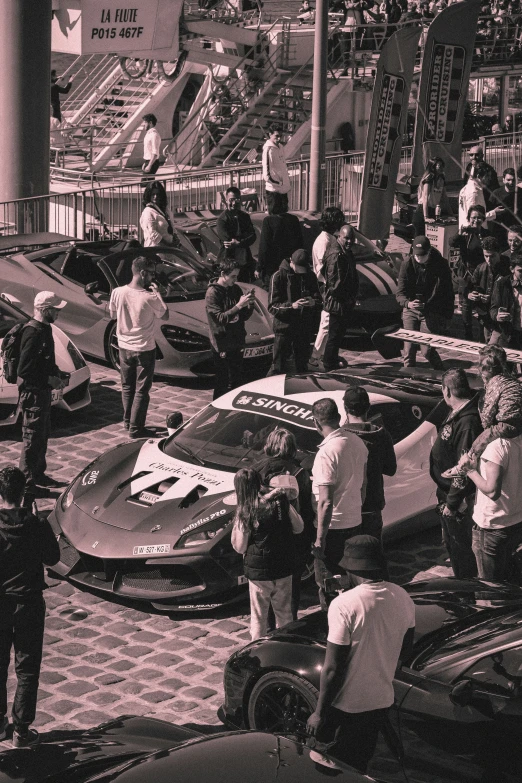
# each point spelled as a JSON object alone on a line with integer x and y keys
{"x": 144, "y": 750}
{"x": 458, "y": 696}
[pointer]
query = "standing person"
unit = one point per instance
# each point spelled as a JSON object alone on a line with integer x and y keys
{"x": 331, "y": 221}
{"x": 471, "y": 196}
{"x": 341, "y": 286}
{"x": 514, "y": 241}
{"x": 504, "y": 204}
{"x": 26, "y": 544}
{"x": 56, "y": 91}
{"x": 469, "y": 243}
{"x": 151, "y": 147}
{"x": 38, "y": 375}
{"x": 456, "y": 496}
{"x": 227, "y": 310}
{"x": 281, "y": 236}
{"x": 264, "y": 530}
{"x": 275, "y": 172}
{"x": 488, "y": 175}
{"x": 236, "y": 232}
{"x": 156, "y": 220}
{"x": 381, "y": 457}
{"x": 136, "y": 307}
{"x": 281, "y": 458}
{"x": 339, "y": 486}
{"x": 506, "y": 307}
{"x": 294, "y": 300}
{"x": 484, "y": 277}
{"x": 431, "y": 194}
{"x": 370, "y": 627}
{"x": 425, "y": 292}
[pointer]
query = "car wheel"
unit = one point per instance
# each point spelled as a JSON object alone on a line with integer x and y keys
{"x": 111, "y": 347}
{"x": 281, "y": 703}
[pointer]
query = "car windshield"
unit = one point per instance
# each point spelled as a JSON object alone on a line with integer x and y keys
{"x": 234, "y": 439}
{"x": 179, "y": 277}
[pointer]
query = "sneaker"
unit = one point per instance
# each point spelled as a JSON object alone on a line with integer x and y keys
{"x": 144, "y": 433}
{"x": 4, "y": 723}
{"x": 26, "y": 740}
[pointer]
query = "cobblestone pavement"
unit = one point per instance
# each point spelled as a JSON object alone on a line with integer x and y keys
{"x": 105, "y": 659}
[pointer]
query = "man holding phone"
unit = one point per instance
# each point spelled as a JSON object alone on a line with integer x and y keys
{"x": 295, "y": 303}
{"x": 484, "y": 276}
{"x": 136, "y": 307}
{"x": 506, "y": 307}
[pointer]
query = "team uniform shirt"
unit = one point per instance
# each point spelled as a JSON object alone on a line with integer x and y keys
{"x": 151, "y": 144}
{"x": 135, "y": 310}
{"x": 373, "y": 618}
{"x": 507, "y": 510}
{"x": 324, "y": 243}
{"x": 340, "y": 462}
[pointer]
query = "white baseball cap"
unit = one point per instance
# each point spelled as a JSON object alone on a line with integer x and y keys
{"x": 48, "y": 299}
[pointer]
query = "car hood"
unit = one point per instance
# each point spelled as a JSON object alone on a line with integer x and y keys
{"x": 136, "y": 487}
{"x": 192, "y": 315}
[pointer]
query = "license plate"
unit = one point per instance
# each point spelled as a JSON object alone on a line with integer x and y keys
{"x": 56, "y": 395}
{"x": 260, "y": 350}
{"x": 153, "y": 549}
{"x": 149, "y": 497}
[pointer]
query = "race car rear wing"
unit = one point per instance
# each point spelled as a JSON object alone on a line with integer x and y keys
{"x": 388, "y": 351}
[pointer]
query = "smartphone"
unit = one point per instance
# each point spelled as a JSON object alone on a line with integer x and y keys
{"x": 502, "y": 309}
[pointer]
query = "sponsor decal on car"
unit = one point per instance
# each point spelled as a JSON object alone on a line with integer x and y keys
{"x": 451, "y": 343}
{"x": 276, "y": 407}
{"x": 203, "y": 521}
{"x": 90, "y": 478}
{"x": 198, "y": 474}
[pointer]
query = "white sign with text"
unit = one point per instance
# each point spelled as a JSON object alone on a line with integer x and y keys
{"x": 118, "y": 25}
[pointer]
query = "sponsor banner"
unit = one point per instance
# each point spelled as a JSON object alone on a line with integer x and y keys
{"x": 443, "y": 88}
{"x": 276, "y": 407}
{"x": 449, "y": 343}
{"x": 385, "y": 131}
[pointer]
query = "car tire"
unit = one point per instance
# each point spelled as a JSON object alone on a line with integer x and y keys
{"x": 281, "y": 703}
{"x": 111, "y": 347}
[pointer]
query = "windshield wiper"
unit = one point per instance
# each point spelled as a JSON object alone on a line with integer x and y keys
{"x": 189, "y": 453}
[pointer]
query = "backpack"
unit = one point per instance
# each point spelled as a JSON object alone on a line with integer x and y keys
{"x": 10, "y": 352}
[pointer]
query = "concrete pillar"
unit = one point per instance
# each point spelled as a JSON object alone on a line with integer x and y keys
{"x": 25, "y": 65}
{"x": 318, "y": 135}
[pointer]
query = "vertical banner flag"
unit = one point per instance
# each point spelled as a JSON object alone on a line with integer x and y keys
{"x": 443, "y": 88}
{"x": 387, "y": 126}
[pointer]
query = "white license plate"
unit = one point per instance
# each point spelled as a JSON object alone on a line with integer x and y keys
{"x": 153, "y": 549}
{"x": 260, "y": 350}
{"x": 56, "y": 395}
{"x": 149, "y": 497}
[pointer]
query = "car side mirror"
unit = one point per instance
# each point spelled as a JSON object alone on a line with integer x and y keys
{"x": 91, "y": 288}
{"x": 462, "y": 693}
{"x": 381, "y": 244}
{"x": 174, "y": 421}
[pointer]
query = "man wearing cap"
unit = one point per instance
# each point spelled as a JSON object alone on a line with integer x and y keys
{"x": 294, "y": 301}
{"x": 38, "y": 375}
{"x": 369, "y": 627}
{"x": 425, "y": 292}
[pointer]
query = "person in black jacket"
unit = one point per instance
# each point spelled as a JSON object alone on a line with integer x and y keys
{"x": 381, "y": 457}
{"x": 341, "y": 286}
{"x": 425, "y": 292}
{"x": 294, "y": 301}
{"x": 38, "y": 376}
{"x": 236, "y": 232}
{"x": 506, "y": 308}
{"x": 26, "y": 544}
{"x": 56, "y": 91}
{"x": 227, "y": 310}
{"x": 469, "y": 243}
{"x": 484, "y": 277}
{"x": 280, "y": 236}
{"x": 456, "y": 496}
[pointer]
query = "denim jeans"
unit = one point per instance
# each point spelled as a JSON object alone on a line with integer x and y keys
{"x": 21, "y": 627}
{"x": 494, "y": 549}
{"x": 457, "y": 536}
{"x": 432, "y": 323}
{"x": 276, "y": 593}
{"x": 137, "y": 372}
{"x": 333, "y": 553}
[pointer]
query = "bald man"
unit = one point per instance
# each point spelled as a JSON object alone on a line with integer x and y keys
{"x": 341, "y": 289}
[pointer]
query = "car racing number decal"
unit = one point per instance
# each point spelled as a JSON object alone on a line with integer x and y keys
{"x": 276, "y": 407}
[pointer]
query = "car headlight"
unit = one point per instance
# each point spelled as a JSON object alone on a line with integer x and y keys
{"x": 202, "y": 535}
{"x": 184, "y": 340}
{"x": 76, "y": 357}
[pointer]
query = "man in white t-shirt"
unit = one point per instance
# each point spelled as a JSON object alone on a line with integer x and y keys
{"x": 339, "y": 487}
{"x": 151, "y": 147}
{"x": 498, "y": 508}
{"x": 136, "y": 307}
{"x": 370, "y": 627}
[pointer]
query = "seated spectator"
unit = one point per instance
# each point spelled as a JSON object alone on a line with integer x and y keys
{"x": 306, "y": 13}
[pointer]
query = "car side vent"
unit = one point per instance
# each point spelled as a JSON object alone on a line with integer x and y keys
{"x": 133, "y": 478}
{"x": 193, "y": 496}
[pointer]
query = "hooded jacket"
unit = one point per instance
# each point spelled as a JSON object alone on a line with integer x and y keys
{"x": 431, "y": 280}
{"x": 225, "y": 321}
{"x": 26, "y": 544}
{"x": 286, "y": 286}
{"x": 381, "y": 461}
{"x": 275, "y": 172}
{"x": 456, "y": 434}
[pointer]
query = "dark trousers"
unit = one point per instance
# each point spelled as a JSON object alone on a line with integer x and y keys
{"x": 432, "y": 323}
{"x": 372, "y": 524}
{"x": 296, "y": 339}
{"x": 21, "y": 627}
{"x": 494, "y": 550}
{"x": 336, "y": 330}
{"x": 351, "y": 737}
{"x": 137, "y": 372}
{"x": 148, "y": 176}
{"x": 333, "y": 553}
{"x": 279, "y": 201}
{"x": 36, "y": 424}
{"x": 456, "y": 535}
{"x": 228, "y": 366}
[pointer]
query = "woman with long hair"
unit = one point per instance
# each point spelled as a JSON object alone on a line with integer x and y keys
{"x": 264, "y": 528}
{"x": 430, "y": 195}
{"x": 156, "y": 220}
